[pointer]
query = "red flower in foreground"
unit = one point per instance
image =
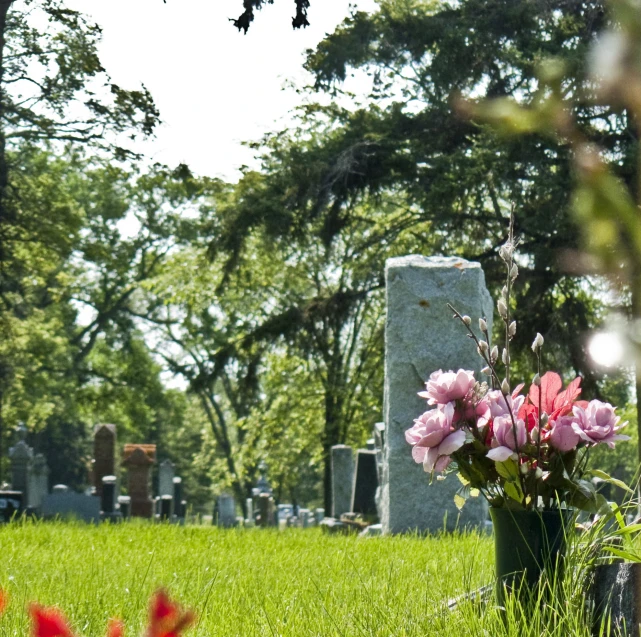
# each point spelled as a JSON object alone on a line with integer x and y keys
{"x": 4, "y": 599}
{"x": 166, "y": 618}
{"x": 49, "y": 622}
{"x": 115, "y": 628}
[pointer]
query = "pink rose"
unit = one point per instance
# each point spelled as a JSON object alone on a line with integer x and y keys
{"x": 445, "y": 387}
{"x": 504, "y": 445}
{"x": 562, "y": 436}
{"x": 598, "y": 423}
{"x": 433, "y": 438}
{"x": 494, "y": 405}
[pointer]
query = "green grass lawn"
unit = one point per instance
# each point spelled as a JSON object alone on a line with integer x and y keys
{"x": 252, "y": 582}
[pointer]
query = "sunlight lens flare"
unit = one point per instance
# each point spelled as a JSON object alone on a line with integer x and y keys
{"x": 606, "y": 349}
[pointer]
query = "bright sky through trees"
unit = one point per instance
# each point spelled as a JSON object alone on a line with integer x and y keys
{"x": 214, "y": 86}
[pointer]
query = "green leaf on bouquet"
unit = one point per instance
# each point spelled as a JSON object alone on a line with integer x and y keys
{"x": 475, "y": 493}
{"x": 597, "y": 473}
{"x": 513, "y": 490}
{"x": 459, "y": 501}
{"x": 463, "y": 479}
{"x": 508, "y": 470}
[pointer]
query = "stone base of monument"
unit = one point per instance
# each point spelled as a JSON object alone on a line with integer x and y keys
{"x": 332, "y": 525}
{"x": 616, "y": 594}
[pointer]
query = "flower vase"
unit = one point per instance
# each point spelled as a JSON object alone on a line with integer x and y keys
{"x": 527, "y": 544}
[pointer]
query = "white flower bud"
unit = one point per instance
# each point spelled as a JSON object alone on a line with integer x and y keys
{"x": 536, "y": 380}
{"x": 512, "y": 328}
{"x": 495, "y": 354}
{"x": 482, "y": 348}
{"x": 537, "y": 343}
{"x": 482, "y": 325}
{"x": 467, "y": 320}
{"x": 534, "y": 434}
{"x": 505, "y": 251}
{"x": 504, "y": 292}
{"x": 504, "y": 357}
{"x": 538, "y": 473}
{"x": 487, "y": 371}
{"x": 524, "y": 469}
{"x": 544, "y": 420}
{"x": 514, "y": 271}
{"x": 502, "y": 308}
{"x": 505, "y": 386}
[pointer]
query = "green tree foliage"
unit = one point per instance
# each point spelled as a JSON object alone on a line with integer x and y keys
{"x": 353, "y": 184}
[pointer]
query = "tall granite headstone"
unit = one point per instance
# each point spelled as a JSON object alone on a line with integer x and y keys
{"x": 421, "y": 337}
{"x": 104, "y": 454}
{"x": 342, "y": 478}
{"x": 139, "y": 460}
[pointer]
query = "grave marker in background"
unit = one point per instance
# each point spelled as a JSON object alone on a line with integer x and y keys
{"x": 342, "y": 479}
{"x": 104, "y": 454}
{"x": 421, "y": 337}
{"x": 365, "y": 483}
{"x": 139, "y": 460}
{"x": 166, "y": 473}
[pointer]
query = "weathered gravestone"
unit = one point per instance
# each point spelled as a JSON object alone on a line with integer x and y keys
{"x": 104, "y": 454}
{"x": 124, "y": 504}
{"x": 166, "y": 507}
{"x": 38, "y": 482}
{"x": 420, "y": 338}
{"x": 342, "y": 479}
{"x": 139, "y": 460}
{"x": 68, "y": 504}
{"x": 226, "y": 511}
{"x": 365, "y": 483}
{"x": 166, "y": 473}
{"x": 21, "y": 456}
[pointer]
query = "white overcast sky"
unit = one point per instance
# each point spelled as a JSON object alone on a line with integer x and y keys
{"x": 214, "y": 87}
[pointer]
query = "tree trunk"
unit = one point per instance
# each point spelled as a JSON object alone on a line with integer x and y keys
{"x": 4, "y": 217}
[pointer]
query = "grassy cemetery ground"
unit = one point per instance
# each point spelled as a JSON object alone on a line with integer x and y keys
{"x": 255, "y": 582}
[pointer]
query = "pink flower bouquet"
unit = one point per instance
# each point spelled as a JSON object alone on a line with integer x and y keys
{"x": 522, "y": 451}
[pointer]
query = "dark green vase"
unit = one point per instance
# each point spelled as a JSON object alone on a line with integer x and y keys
{"x": 527, "y": 543}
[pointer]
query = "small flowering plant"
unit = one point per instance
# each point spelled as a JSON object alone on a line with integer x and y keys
{"x": 519, "y": 450}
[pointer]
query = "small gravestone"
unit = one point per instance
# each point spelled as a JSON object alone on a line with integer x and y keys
{"x": 38, "y": 482}
{"x": 68, "y": 504}
{"x": 284, "y": 512}
{"x": 342, "y": 478}
{"x": 166, "y": 476}
{"x": 305, "y": 518}
{"x": 124, "y": 504}
{"x": 60, "y": 488}
{"x": 104, "y": 454}
{"x": 108, "y": 495}
{"x": 139, "y": 460}
{"x": 226, "y": 511}
{"x": 166, "y": 507}
{"x": 365, "y": 483}
{"x": 249, "y": 505}
{"x": 265, "y": 510}
{"x": 319, "y": 515}
{"x": 421, "y": 337}
{"x": 179, "y": 509}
